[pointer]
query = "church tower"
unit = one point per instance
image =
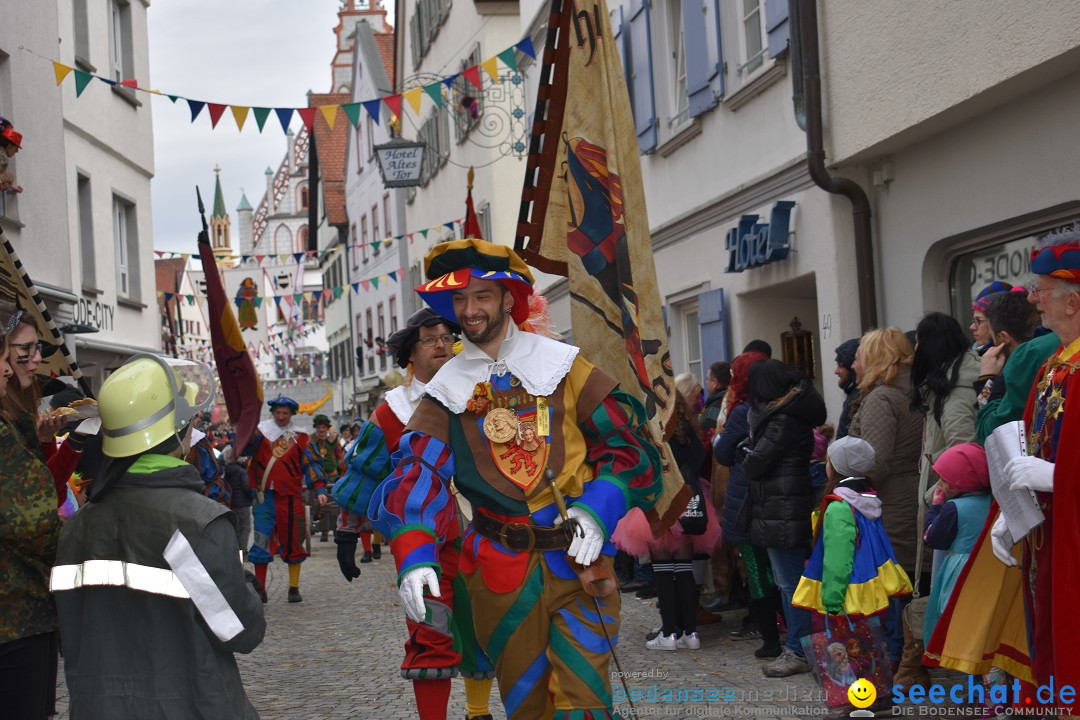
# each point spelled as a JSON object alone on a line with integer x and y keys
{"x": 219, "y": 226}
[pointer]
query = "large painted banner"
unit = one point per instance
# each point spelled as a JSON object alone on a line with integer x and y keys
{"x": 583, "y": 216}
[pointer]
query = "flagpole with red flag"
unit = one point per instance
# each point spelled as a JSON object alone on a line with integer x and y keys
{"x": 237, "y": 377}
{"x": 471, "y": 229}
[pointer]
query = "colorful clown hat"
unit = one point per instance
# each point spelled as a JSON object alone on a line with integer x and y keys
{"x": 454, "y": 264}
{"x": 1060, "y": 261}
{"x": 982, "y": 300}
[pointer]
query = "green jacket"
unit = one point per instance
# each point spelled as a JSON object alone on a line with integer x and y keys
{"x": 1018, "y": 375}
{"x": 29, "y": 531}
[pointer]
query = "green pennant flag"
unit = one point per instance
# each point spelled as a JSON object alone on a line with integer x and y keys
{"x": 507, "y": 56}
{"x": 258, "y": 301}
{"x": 337, "y": 292}
{"x": 375, "y": 283}
{"x": 424, "y": 233}
{"x": 260, "y": 116}
{"x": 434, "y": 91}
{"x": 352, "y": 110}
{"x": 82, "y": 79}
{"x": 173, "y": 98}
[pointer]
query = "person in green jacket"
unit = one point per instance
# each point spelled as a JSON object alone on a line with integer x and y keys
{"x": 1009, "y": 367}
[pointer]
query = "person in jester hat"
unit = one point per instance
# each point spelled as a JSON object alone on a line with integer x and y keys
{"x": 436, "y": 650}
{"x": 525, "y": 427}
{"x": 1051, "y": 572}
{"x": 282, "y": 459}
{"x": 852, "y": 568}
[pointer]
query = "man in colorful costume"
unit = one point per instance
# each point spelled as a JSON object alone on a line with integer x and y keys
{"x": 327, "y": 447}
{"x": 525, "y": 427}
{"x": 1050, "y": 568}
{"x": 211, "y": 469}
{"x": 446, "y": 645}
{"x": 282, "y": 462}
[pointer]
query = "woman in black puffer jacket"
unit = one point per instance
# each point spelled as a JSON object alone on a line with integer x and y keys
{"x": 784, "y": 411}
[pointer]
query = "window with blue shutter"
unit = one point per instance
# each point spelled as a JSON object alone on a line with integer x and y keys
{"x": 717, "y": 54}
{"x": 620, "y": 45}
{"x": 776, "y": 26}
{"x": 641, "y": 82}
{"x": 699, "y": 74}
{"x": 715, "y": 331}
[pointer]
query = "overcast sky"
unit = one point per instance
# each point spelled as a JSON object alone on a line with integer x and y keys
{"x": 264, "y": 53}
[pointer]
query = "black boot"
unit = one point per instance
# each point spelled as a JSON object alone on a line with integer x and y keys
{"x": 366, "y": 557}
{"x": 376, "y": 551}
{"x": 294, "y": 595}
{"x": 764, "y": 612}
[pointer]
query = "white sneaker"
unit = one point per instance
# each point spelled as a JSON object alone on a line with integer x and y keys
{"x": 689, "y": 641}
{"x": 663, "y": 642}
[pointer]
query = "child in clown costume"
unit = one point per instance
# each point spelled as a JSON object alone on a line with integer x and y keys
{"x": 852, "y": 568}
{"x": 282, "y": 462}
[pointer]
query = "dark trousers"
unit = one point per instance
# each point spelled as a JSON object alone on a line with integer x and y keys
{"x": 25, "y": 677}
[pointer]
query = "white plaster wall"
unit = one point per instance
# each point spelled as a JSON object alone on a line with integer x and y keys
{"x": 37, "y": 223}
{"x": 898, "y": 72}
{"x": 1016, "y": 160}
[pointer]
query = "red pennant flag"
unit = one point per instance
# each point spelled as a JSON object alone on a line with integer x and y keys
{"x": 131, "y": 83}
{"x": 307, "y": 115}
{"x": 216, "y": 111}
{"x": 394, "y": 103}
{"x": 472, "y": 223}
{"x": 473, "y": 76}
{"x": 239, "y": 382}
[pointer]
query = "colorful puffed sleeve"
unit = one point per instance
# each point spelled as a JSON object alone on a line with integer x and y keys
{"x": 839, "y": 536}
{"x": 627, "y": 467}
{"x": 414, "y": 507}
{"x": 311, "y": 466}
{"x": 367, "y": 464}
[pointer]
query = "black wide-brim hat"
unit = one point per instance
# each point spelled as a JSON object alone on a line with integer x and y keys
{"x": 452, "y": 265}
{"x": 401, "y": 342}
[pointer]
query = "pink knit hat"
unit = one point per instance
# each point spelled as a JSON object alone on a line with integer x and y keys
{"x": 964, "y": 468}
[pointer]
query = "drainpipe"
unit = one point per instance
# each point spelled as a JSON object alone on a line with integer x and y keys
{"x": 802, "y": 15}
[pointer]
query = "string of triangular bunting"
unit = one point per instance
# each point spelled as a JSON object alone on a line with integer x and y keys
{"x": 367, "y": 284}
{"x": 373, "y": 107}
{"x": 298, "y": 257}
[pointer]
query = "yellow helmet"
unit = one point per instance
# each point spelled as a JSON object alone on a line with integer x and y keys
{"x": 150, "y": 399}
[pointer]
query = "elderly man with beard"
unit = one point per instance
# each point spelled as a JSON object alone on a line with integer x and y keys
{"x": 535, "y": 619}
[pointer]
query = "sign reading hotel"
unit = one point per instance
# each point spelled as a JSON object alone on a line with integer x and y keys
{"x": 753, "y": 244}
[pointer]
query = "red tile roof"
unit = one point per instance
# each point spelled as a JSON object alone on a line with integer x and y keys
{"x": 331, "y": 144}
{"x": 385, "y": 42}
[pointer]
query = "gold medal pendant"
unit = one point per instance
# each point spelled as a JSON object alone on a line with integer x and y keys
{"x": 501, "y": 425}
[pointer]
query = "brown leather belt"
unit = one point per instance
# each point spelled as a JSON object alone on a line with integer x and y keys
{"x": 520, "y": 537}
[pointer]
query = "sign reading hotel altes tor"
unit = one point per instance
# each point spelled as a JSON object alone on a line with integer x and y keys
{"x": 753, "y": 244}
{"x": 400, "y": 162}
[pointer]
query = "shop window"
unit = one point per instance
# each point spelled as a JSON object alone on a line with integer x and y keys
{"x": 1008, "y": 262}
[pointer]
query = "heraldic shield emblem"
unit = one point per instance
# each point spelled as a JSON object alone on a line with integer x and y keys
{"x": 517, "y": 433}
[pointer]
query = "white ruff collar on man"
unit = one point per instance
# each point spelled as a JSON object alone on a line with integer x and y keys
{"x": 272, "y": 431}
{"x": 540, "y": 363}
{"x": 404, "y": 398}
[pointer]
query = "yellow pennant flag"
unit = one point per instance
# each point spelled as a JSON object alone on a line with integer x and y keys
{"x": 240, "y": 114}
{"x": 491, "y": 67}
{"x": 330, "y": 113}
{"x": 61, "y": 71}
{"x": 413, "y": 96}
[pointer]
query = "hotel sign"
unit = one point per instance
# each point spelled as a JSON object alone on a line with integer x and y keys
{"x": 753, "y": 244}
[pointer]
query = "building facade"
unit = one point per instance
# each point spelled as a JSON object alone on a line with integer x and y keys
{"x": 83, "y": 226}
{"x": 746, "y": 246}
{"x": 966, "y": 159}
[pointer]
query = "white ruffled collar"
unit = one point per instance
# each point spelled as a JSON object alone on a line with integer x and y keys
{"x": 539, "y": 362}
{"x": 272, "y": 431}
{"x": 404, "y": 399}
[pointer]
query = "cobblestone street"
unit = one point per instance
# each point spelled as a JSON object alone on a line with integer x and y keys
{"x": 335, "y": 657}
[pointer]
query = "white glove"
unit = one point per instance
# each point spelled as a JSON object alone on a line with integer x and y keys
{"x": 588, "y": 540}
{"x": 1002, "y": 542}
{"x": 411, "y": 592}
{"x": 1030, "y": 473}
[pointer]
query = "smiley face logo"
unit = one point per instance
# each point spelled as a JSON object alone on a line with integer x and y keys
{"x": 862, "y": 693}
